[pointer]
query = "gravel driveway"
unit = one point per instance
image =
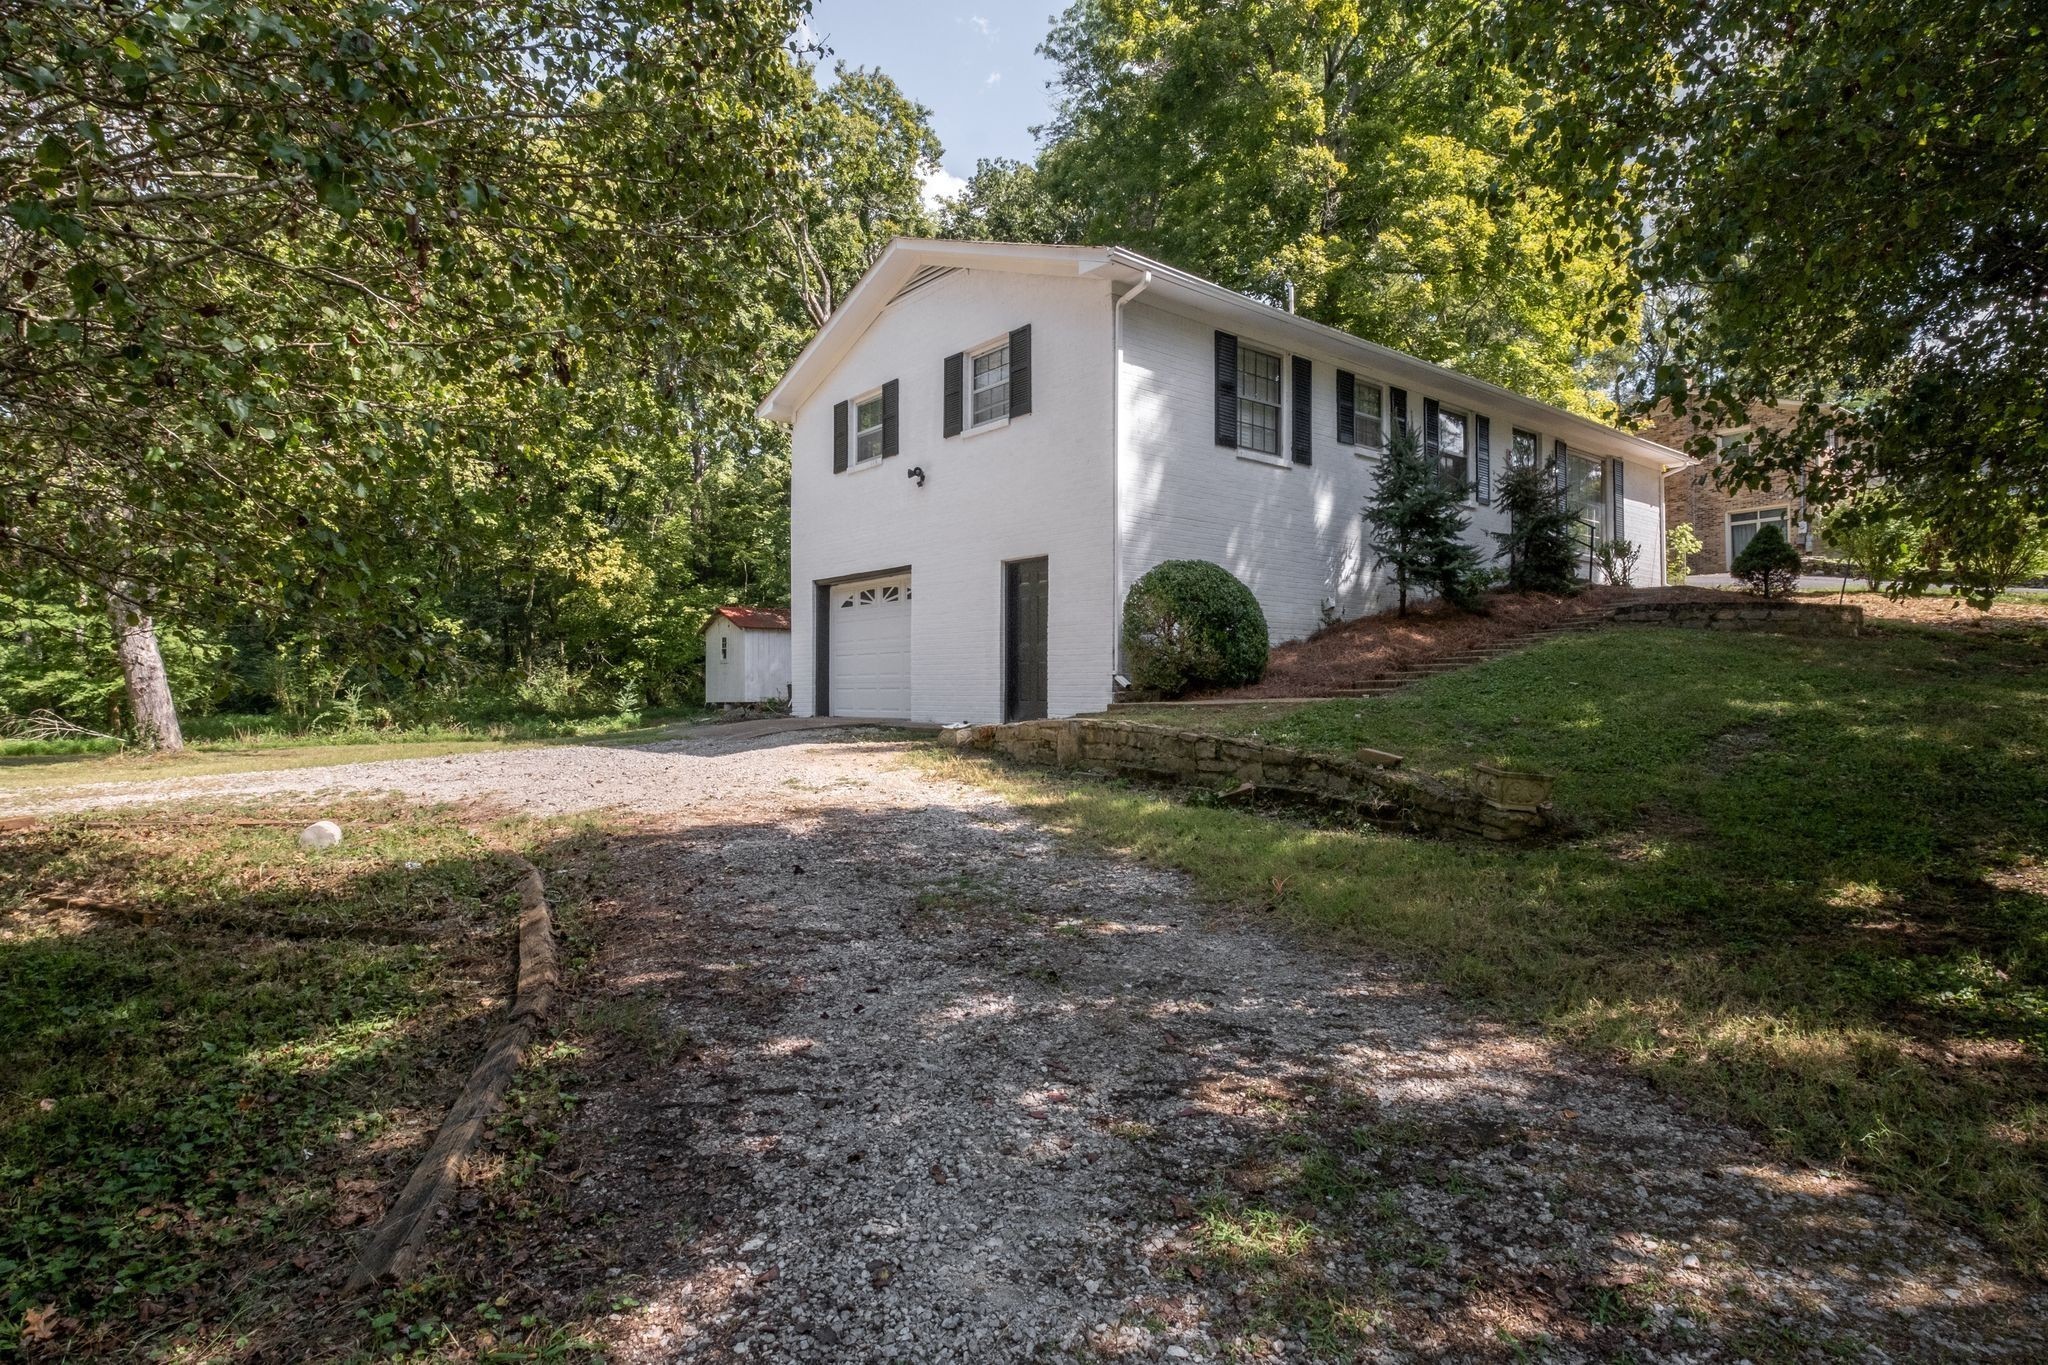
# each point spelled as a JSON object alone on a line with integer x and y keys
{"x": 919, "y": 1083}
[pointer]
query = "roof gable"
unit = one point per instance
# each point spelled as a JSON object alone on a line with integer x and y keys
{"x": 751, "y": 618}
{"x": 908, "y": 263}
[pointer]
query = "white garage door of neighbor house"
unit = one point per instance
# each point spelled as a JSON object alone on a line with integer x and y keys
{"x": 869, "y": 668}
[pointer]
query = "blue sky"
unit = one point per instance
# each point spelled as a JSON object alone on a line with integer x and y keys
{"x": 975, "y": 66}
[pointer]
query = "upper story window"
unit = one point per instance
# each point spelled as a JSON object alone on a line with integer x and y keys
{"x": 867, "y": 429}
{"x": 991, "y": 385}
{"x": 1454, "y": 444}
{"x": 1732, "y": 445}
{"x": 1525, "y": 450}
{"x": 1258, "y": 401}
{"x": 1371, "y": 421}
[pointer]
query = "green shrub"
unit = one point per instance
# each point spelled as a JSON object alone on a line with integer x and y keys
{"x": 1190, "y": 624}
{"x": 1880, "y": 537}
{"x": 1681, "y": 543}
{"x": 1768, "y": 565}
{"x": 2010, "y": 548}
{"x": 1618, "y": 560}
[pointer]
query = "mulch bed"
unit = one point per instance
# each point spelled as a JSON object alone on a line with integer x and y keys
{"x": 1947, "y": 613}
{"x": 1353, "y": 653}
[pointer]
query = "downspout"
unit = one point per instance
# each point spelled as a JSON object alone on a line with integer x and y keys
{"x": 1116, "y": 475}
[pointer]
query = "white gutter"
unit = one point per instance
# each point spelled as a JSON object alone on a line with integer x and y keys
{"x": 1116, "y": 471}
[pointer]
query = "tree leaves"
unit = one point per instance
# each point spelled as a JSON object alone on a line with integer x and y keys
{"x": 1855, "y": 200}
{"x": 1368, "y": 155}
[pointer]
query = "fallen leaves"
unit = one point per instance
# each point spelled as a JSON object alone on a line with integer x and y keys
{"x": 40, "y": 1324}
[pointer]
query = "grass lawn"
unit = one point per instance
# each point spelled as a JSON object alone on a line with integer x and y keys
{"x": 218, "y": 1054}
{"x": 215, "y": 747}
{"x": 1807, "y": 887}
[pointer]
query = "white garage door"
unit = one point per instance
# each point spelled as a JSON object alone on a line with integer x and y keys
{"x": 869, "y": 668}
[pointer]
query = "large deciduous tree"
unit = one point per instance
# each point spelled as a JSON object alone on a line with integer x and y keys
{"x": 284, "y": 281}
{"x": 1360, "y": 151}
{"x": 1847, "y": 208}
{"x": 1006, "y": 200}
{"x": 863, "y": 152}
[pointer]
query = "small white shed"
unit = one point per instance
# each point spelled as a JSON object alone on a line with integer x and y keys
{"x": 746, "y": 655}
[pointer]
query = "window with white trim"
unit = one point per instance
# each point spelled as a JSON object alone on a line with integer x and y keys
{"x": 1258, "y": 401}
{"x": 1454, "y": 445}
{"x": 1586, "y": 494}
{"x": 990, "y": 385}
{"x": 1369, "y": 414}
{"x": 867, "y": 429}
{"x": 1743, "y": 526}
{"x": 1525, "y": 450}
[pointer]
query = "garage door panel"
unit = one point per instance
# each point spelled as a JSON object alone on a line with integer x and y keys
{"x": 869, "y": 644}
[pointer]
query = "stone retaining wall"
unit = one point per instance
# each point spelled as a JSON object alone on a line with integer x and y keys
{"x": 1413, "y": 800}
{"x": 1790, "y": 618}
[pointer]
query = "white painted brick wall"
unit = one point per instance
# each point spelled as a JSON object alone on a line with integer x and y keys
{"x": 1294, "y": 534}
{"x": 1643, "y": 520}
{"x": 1040, "y": 486}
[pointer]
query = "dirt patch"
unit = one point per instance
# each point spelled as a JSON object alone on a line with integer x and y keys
{"x": 1356, "y": 652}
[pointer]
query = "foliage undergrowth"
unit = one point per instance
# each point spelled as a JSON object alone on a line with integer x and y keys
{"x": 1808, "y": 887}
{"x": 219, "y": 1054}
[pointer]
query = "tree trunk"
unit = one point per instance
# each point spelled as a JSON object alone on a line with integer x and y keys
{"x": 142, "y": 666}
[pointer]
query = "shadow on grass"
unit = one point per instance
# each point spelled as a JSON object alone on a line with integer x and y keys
{"x": 1811, "y": 892}
{"x": 219, "y": 1056}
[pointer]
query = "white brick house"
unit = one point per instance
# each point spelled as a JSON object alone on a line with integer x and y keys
{"x": 992, "y": 442}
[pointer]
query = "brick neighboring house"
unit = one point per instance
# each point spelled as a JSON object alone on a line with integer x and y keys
{"x": 1723, "y": 520}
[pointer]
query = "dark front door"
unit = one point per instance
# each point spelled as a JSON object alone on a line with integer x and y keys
{"x": 1024, "y": 640}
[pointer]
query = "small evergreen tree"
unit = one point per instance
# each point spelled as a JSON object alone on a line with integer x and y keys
{"x": 1768, "y": 565}
{"x": 1540, "y": 545}
{"x": 1416, "y": 524}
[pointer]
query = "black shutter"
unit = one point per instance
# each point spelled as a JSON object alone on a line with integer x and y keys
{"x": 1303, "y": 434}
{"x": 1226, "y": 390}
{"x": 1557, "y": 458}
{"x": 1347, "y": 409}
{"x": 1615, "y": 526}
{"x": 892, "y": 434}
{"x": 839, "y": 438}
{"x": 1432, "y": 439}
{"x": 1397, "y": 406}
{"x": 1020, "y": 371}
{"x": 955, "y": 364}
{"x": 1482, "y": 437}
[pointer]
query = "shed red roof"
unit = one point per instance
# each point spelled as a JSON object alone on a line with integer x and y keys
{"x": 755, "y": 618}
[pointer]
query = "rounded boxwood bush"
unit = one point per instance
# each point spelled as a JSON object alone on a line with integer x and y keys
{"x": 1189, "y": 624}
